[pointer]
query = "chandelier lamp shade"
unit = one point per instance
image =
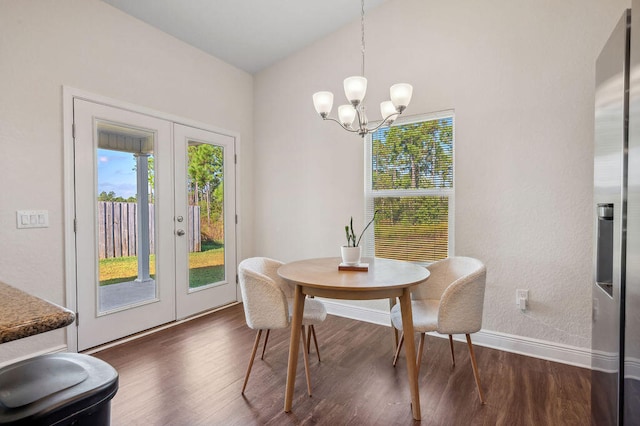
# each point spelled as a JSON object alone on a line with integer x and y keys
{"x": 355, "y": 89}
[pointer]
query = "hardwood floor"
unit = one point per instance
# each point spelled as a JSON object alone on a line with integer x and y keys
{"x": 192, "y": 374}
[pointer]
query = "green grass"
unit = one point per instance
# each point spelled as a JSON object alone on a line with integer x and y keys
{"x": 199, "y": 277}
{"x": 205, "y": 267}
{"x": 122, "y": 269}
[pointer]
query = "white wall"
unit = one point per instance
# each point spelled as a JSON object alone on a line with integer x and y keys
{"x": 89, "y": 45}
{"x": 520, "y": 76}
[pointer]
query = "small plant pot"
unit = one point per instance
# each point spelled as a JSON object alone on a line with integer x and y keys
{"x": 350, "y": 255}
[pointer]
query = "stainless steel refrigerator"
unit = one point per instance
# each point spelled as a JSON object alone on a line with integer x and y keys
{"x": 615, "y": 379}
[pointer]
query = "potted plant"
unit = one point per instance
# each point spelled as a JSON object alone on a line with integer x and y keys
{"x": 352, "y": 252}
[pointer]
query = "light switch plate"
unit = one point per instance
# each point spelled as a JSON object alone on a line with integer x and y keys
{"x": 32, "y": 219}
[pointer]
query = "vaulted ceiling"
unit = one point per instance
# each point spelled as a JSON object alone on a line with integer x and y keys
{"x": 249, "y": 34}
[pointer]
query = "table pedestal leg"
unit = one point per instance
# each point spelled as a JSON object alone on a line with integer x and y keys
{"x": 410, "y": 351}
{"x": 294, "y": 346}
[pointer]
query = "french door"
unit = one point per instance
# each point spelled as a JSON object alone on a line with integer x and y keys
{"x": 155, "y": 221}
{"x": 204, "y": 205}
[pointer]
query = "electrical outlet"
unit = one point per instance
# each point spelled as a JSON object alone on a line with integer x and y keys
{"x": 522, "y": 299}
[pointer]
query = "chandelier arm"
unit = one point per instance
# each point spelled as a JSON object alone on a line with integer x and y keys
{"x": 341, "y": 125}
{"x": 360, "y": 115}
{"x": 384, "y": 120}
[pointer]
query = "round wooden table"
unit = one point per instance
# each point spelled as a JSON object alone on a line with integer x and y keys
{"x": 384, "y": 279}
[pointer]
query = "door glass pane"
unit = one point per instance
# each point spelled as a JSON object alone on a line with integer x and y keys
{"x": 205, "y": 188}
{"x": 125, "y": 215}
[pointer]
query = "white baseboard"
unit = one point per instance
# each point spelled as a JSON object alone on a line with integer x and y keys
{"x": 632, "y": 368}
{"x": 605, "y": 362}
{"x": 608, "y": 363}
{"x": 551, "y": 351}
{"x": 52, "y": 350}
{"x": 360, "y": 313}
{"x": 557, "y": 352}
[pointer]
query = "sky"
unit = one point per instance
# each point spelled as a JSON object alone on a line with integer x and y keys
{"x": 116, "y": 173}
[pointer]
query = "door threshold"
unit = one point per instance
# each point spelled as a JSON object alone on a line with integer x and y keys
{"x": 154, "y": 330}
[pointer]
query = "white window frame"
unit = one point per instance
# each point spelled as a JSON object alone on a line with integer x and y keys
{"x": 370, "y": 194}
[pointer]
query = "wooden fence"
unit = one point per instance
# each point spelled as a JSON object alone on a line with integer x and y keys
{"x": 117, "y": 229}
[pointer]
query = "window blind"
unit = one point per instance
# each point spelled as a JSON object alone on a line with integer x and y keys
{"x": 410, "y": 184}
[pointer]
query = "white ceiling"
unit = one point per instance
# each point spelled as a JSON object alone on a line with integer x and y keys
{"x": 249, "y": 34}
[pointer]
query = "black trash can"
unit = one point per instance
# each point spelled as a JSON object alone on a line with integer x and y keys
{"x": 57, "y": 389}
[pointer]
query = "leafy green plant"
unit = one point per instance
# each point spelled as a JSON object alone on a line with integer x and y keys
{"x": 351, "y": 235}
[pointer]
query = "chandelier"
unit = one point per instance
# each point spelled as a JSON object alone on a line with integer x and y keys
{"x": 355, "y": 88}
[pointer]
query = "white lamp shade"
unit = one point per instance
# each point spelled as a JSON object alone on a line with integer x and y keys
{"x": 401, "y": 95}
{"x": 323, "y": 102}
{"x": 346, "y": 114}
{"x": 388, "y": 110}
{"x": 355, "y": 88}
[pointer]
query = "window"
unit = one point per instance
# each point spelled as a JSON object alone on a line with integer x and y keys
{"x": 410, "y": 183}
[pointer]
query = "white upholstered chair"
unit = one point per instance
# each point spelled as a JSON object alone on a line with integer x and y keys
{"x": 449, "y": 302}
{"x": 268, "y": 302}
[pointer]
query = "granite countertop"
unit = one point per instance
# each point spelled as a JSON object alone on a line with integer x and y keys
{"x": 23, "y": 315}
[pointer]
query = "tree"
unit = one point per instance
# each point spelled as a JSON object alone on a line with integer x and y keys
{"x": 112, "y": 197}
{"x": 414, "y": 156}
{"x": 150, "y": 176}
{"x": 206, "y": 169}
{"x": 104, "y": 196}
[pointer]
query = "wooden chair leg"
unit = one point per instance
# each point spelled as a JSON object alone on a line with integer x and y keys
{"x": 475, "y": 368}
{"x": 420, "y": 350}
{"x": 392, "y": 302}
{"x": 315, "y": 341}
{"x": 305, "y": 355}
{"x": 395, "y": 358}
{"x": 453, "y": 357}
{"x": 264, "y": 348}
{"x": 253, "y": 355}
{"x": 307, "y": 343}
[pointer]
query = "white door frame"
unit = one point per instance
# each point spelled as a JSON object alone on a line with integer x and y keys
{"x": 68, "y": 95}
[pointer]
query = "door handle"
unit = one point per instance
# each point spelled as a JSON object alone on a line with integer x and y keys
{"x": 180, "y": 232}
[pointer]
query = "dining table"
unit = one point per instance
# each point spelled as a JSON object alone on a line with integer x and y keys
{"x": 381, "y": 279}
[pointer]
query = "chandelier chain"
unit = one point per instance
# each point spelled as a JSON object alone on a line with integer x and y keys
{"x": 362, "y": 33}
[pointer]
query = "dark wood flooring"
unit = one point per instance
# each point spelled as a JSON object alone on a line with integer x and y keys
{"x": 192, "y": 374}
